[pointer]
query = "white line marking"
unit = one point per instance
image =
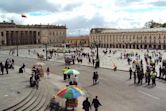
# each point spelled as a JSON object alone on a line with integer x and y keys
{"x": 154, "y": 97}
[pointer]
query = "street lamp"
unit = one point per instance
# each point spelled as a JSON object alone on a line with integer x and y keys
{"x": 46, "y": 49}
{"x": 17, "y": 46}
{"x": 17, "y": 49}
{"x": 45, "y": 42}
{"x": 97, "y": 65}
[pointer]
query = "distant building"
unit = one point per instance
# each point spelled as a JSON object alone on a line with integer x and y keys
{"x": 77, "y": 41}
{"x": 13, "y": 34}
{"x": 153, "y": 38}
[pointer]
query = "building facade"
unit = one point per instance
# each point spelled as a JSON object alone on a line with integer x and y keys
{"x": 154, "y": 38}
{"x": 13, "y": 34}
{"x": 77, "y": 41}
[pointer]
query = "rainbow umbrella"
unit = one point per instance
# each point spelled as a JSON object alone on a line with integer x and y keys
{"x": 71, "y": 92}
{"x": 72, "y": 72}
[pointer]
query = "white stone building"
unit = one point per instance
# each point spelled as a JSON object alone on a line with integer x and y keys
{"x": 154, "y": 38}
{"x": 13, "y": 34}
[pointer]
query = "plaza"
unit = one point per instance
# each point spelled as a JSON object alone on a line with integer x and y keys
{"x": 115, "y": 90}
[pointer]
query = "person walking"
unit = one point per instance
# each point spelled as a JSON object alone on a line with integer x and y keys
{"x": 96, "y": 103}
{"x": 86, "y": 105}
{"x": 48, "y": 72}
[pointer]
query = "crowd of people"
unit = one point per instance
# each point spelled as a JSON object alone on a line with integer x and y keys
{"x": 148, "y": 70}
{"x": 6, "y": 65}
{"x": 35, "y": 77}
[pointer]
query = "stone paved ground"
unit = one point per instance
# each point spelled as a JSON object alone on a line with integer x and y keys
{"x": 14, "y": 87}
{"x": 116, "y": 92}
{"x": 106, "y": 61}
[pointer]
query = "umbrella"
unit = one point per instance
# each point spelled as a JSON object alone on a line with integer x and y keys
{"x": 72, "y": 72}
{"x": 71, "y": 92}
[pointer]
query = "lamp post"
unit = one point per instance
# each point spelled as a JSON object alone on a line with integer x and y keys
{"x": 17, "y": 49}
{"x": 97, "y": 57}
{"x": 46, "y": 50}
{"x": 17, "y": 46}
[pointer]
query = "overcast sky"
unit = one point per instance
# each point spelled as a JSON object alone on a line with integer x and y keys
{"x": 82, "y": 15}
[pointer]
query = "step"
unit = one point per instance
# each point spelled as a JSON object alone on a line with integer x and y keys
{"x": 40, "y": 101}
{"x": 25, "y": 102}
{"x": 49, "y": 94}
{"x": 11, "y": 108}
{"x": 32, "y": 100}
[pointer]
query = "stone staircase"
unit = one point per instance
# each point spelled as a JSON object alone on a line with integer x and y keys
{"x": 36, "y": 100}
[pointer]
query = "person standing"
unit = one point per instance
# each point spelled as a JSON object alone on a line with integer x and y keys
{"x": 48, "y": 72}
{"x": 68, "y": 75}
{"x": 135, "y": 77}
{"x": 23, "y": 67}
{"x": 2, "y": 67}
{"x": 89, "y": 59}
{"x": 6, "y": 66}
{"x": 93, "y": 61}
{"x": 64, "y": 75}
{"x": 94, "y": 77}
{"x": 37, "y": 79}
{"x": 160, "y": 72}
{"x": 146, "y": 76}
{"x": 86, "y": 105}
{"x": 153, "y": 76}
{"x": 149, "y": 77}
{"x": 130, "y": 71}
{"x": 75, "y": 80}
{"x": 12, "y": 64}
{"x": 96, "y": 103}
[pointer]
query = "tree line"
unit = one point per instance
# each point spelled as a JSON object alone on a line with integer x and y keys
{"x": 153, "y": 24}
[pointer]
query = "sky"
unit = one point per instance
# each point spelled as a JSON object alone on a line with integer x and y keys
{"x": 80, "y": 16}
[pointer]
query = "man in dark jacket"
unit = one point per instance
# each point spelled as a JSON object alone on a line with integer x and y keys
{"x": 130, "y": 71}
{"x": 6, "y": 66}
{"x": 86, "y": 105}
{"x": 96, "y": 103}
{"x": 2, "y": 67}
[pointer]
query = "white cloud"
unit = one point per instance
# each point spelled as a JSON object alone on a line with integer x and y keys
{"x": 85, "y": 14}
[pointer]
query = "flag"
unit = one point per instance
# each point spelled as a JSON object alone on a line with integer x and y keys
{"x": 23, "y": 15}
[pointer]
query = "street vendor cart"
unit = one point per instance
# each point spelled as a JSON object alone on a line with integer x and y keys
{"x": 71, "y": 103}
{"x": 40, "y": 66}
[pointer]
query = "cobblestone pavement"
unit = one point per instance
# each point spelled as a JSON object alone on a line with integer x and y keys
{"x": 116, "y": 92}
